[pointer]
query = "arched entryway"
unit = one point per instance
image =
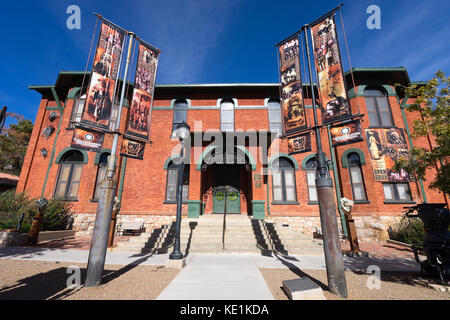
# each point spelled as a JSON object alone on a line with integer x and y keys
{"x": 228, "y": 169}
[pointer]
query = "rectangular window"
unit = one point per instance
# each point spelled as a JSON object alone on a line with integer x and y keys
{"x": 397, "y": 192}
{"x": 63, "y": 180}
{"x": 172, "y": 181}
{"x": 274, "y": 110}
{"x": 227, "y": 116}
{"x": 77, "y": 111}
{"x": 277, "y": 186}
{"x": 312, "y": 190}
{"x": 68, "y": 181}
{"x": 100, "y": 177}
{"x": 359, "y": 192}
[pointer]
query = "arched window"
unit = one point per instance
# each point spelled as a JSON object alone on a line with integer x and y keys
{"x": 77, "y": 110}
{"x": 172, "y": 180}
{"x": 180, "y": 109}
{"x": 356, "y": 177}
{"x": 311, "y": 167}
{"x": 227, "y": 115}
{"x": 378, "y": 107}
{"x": 274, "y": 110}
{"x": 101, "y": 174}
{"x": 69, "y": 175}
{"x": 283, "y": 181}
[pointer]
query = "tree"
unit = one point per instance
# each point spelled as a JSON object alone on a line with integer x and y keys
{"x": 432, "y": 102}
{"x": 13, "y": 144}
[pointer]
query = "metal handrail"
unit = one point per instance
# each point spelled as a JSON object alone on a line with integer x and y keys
{"x": 224, "y": 219}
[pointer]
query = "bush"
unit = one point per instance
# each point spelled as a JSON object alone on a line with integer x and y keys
{"x": 409, "y": 230}
{"x": 57, "y": 215}
{"x": 12, "y": 205}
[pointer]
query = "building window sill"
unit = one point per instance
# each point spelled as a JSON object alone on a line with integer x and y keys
{"x": 276, "y": 203}
{"x": 383, "y": 127}
{"x": 174, "y": 202}
{"x": 361, "y": 202}
{"x": 399, "y": 202}
{"x": 313, "y": 203}
{"x": 94, "y": 200}
{"x": 69, "y": 200}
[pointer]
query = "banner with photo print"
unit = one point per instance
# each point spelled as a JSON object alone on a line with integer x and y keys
{"x": 346, "y": 133}
{"x": 100, "y": 95}
{"x": 385, "y": 147}
{"x": 132, "y": 148}
{"x": 327, "y": 60}
{"x": 294, "y": 116}
{"x": 142, "y": 102}
{"x": 299, "y": 143}
{"x": 87, "y": 140}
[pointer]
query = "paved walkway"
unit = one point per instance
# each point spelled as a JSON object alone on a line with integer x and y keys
{"x": 218, "y": 277}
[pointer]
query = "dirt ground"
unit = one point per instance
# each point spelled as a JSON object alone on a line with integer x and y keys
{"x": 42, "y": 280}
{"x": 393, "y": 286}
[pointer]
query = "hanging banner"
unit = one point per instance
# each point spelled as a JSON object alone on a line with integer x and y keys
{"x": 327, "y": 59}
{"x": 385, "y": 147}
{"x": 87, "y": 140}
{"x": 294, "y": 115}
{"x": 346, "y": 133}
{"x": 132, "y": 148}
{"x": 100, "y": 95}
{"x": 144, "y": 87}
{"x": 299, "y": 143}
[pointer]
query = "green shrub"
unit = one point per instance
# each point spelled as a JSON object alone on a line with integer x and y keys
{"x": 409, "y": 230}
{"x": 57, "y": 215}
{"x": 12, "y": 205}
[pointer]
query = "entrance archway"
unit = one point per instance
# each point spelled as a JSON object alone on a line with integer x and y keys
{"x": 232, "y": 170}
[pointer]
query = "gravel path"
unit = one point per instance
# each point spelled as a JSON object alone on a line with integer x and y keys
{"x": 42, "y": 280}
{"x": 394, "y": 285}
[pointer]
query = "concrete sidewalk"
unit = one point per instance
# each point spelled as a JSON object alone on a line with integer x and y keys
{"x": 218, "y": 277}
{"x": 213, "y": 276}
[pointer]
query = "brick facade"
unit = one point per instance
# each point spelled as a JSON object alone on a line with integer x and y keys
{"x": 142, "y": 183}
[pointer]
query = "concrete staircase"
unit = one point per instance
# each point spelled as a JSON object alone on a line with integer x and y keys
{"x": 205, "y": 235}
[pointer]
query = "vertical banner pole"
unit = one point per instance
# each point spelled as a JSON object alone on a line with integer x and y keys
{"x": 336, "y": 183}
{"x": 327, "y": 207}
{"x": 97, "y": 253}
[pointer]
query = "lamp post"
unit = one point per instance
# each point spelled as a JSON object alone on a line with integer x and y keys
{"x": 181, "y": 132}
{"x": 327, "y": 207}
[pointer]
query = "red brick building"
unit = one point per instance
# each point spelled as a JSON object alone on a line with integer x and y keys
{"x": 268, "y": 182}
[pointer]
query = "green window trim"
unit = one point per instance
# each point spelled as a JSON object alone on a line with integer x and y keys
{"x": 61, "y": 154}
{"x": 344, "y": 158}
{"x": 172, "y": 103}
{"x": 389, "y": 89}
{"x": 170, "y": 159}
{"x": 283, "y": 155}
{"x": 98, "y": 155}
{"x": 309, "y": 157}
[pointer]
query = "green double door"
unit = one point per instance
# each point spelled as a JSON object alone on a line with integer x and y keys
{"x": 227, "y": 176}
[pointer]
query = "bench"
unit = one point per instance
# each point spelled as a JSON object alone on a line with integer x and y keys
{"x": 130, "y": 227}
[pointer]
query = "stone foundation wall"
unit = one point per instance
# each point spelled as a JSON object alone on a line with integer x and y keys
{"x": 369, "y": 228}
{"x": 84, "y": 223}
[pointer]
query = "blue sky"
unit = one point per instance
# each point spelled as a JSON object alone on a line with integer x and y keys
{"x": 213, "y": 41}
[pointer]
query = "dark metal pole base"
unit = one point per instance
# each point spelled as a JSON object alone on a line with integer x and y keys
{"x": 176, "y": 256}
{"x": 331, "y": 244}
{"x": 97, "y": 253}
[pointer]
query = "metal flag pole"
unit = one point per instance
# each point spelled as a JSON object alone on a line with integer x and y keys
{"x": 97, "y": 253}
{"x": 327, "y": 207}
